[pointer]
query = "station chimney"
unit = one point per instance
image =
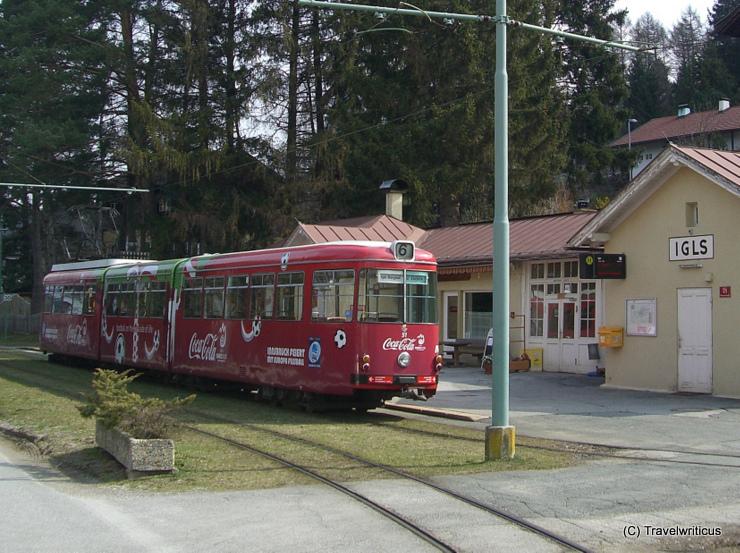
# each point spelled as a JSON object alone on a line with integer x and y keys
{"x": 394, "y": 190}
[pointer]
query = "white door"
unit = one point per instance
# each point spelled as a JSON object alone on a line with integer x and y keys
{"x": 695, "y": 340}
{"x": 449, "y": 320}
{"x": 560, "y": 350}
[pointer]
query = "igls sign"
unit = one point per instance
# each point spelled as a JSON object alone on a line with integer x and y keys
{"x": 691, "y": 247}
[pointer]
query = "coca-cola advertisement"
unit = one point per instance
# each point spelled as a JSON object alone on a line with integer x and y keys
{"x": 211, "y": 347}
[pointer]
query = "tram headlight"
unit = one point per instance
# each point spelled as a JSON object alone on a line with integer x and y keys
{"x": 404, "y": 358}
{"x": 365, "y": 363}
{"x": 438, "y": 362}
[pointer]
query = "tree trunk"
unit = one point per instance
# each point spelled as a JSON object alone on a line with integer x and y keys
{"x": 230, "y": 108}
{"x": 291, "y": 154}
{"x": 135, "y": 126}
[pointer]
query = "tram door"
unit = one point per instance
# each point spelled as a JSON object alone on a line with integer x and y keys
{"x": 560, "y": 335}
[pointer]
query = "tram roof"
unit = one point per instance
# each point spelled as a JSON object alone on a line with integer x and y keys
{"x": 349, "y": 250}
{"x": 94, "y": 264}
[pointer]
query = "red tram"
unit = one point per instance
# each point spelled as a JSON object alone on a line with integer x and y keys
{"x": 351, "y": 321}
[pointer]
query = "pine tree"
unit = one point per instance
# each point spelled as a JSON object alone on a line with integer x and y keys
{"x": 649, "y": 86}
{"x": 725, "y": 51}
{"x": 595, "y": 88}
{"x": 687, "y": 40}
{"x": 52, "y": 91}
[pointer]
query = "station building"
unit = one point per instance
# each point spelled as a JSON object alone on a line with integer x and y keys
{"x": 678, "y": 309}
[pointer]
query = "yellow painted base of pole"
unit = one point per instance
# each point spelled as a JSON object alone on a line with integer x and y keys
{"x": 500, "y": 443}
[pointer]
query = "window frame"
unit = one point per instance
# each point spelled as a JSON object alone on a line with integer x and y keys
{"x": 282, "y": 292}
{"x": 334, "y": 283}
{"x": 186, "y": 291}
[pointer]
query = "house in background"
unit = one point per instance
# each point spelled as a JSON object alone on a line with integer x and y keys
{"x": 553, "y": 310}
{"x": 679, "y": 305}
{"x": 718, "y": 129}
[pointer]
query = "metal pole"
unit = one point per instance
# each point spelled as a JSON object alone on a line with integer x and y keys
{"x": 500, "y": 436}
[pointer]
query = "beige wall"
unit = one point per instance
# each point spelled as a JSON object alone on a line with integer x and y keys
{"x": 652, "y": 362}
{"x": 480, "y": 282}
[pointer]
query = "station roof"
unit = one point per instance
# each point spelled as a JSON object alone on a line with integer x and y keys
{"x": 372, "y": 228}
{"x": 467, "y": 245}
{"x": 538, "y": 237}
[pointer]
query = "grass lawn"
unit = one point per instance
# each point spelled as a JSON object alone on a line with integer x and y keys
{"x": 20, "y": 340}
{"x": 42, "y": 397}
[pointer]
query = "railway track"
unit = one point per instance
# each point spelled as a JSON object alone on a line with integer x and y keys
{"x": 501, "y": 514}
{"x": 596, "y": 451}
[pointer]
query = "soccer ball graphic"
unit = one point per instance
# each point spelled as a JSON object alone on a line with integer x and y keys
{"x": 340, "y": 338}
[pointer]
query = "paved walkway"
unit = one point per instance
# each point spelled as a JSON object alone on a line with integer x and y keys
{"x": 576, "y": 408}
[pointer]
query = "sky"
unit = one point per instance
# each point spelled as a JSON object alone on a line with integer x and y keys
{"x": 665, "y": 11}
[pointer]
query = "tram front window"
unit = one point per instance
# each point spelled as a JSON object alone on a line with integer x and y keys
{"x": 421, "y": 297}
{"x": 396, "y": 296}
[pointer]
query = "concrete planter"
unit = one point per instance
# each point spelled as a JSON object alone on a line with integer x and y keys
{"x": 138, "y": 456}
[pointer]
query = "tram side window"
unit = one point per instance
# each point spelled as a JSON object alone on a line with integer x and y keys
{"x": 111, "y": 299}
{"x": 126, "y": 299}
{"x": 66, "y": 304}
{"x": 192, "y": 298}
{"x": 156, "y": 296}
{"x": 421, "y": 297}
{"x": 290, "y": 296}
{"x": 48, "y": 299}
{"x": 89, "y": 299}
{"x": 237, "y": 297}
{"x": 151, "y": 299}
{"x": 383, "y": 293}
{"x": 58, "y": 294}
{"x": 261, "y": 296}
{"x": 214, "y": 288}
{"x": 75, "y": 295}
{"x": 332, "y": 295}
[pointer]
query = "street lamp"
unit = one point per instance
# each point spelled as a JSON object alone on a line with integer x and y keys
{"x": 630, "y": 122}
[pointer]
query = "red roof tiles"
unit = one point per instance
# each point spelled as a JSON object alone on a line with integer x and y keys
{"x": 722, "y": 163}
{"x": 380, "y": 227}
{"x": 530, "y": 238}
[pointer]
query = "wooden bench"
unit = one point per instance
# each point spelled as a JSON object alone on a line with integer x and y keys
{"x": 468, "y": 346}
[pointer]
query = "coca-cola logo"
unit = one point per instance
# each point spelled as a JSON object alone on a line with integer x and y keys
{"x": 204, "y": 348}
{"x": 405, "y": 344}
{"x": 77, "y": 335}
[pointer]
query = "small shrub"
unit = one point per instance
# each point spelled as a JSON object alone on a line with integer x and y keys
{"x": 116, "y": 407}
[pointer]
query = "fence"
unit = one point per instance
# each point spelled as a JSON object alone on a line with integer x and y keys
{"x": 19, "y": 324}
